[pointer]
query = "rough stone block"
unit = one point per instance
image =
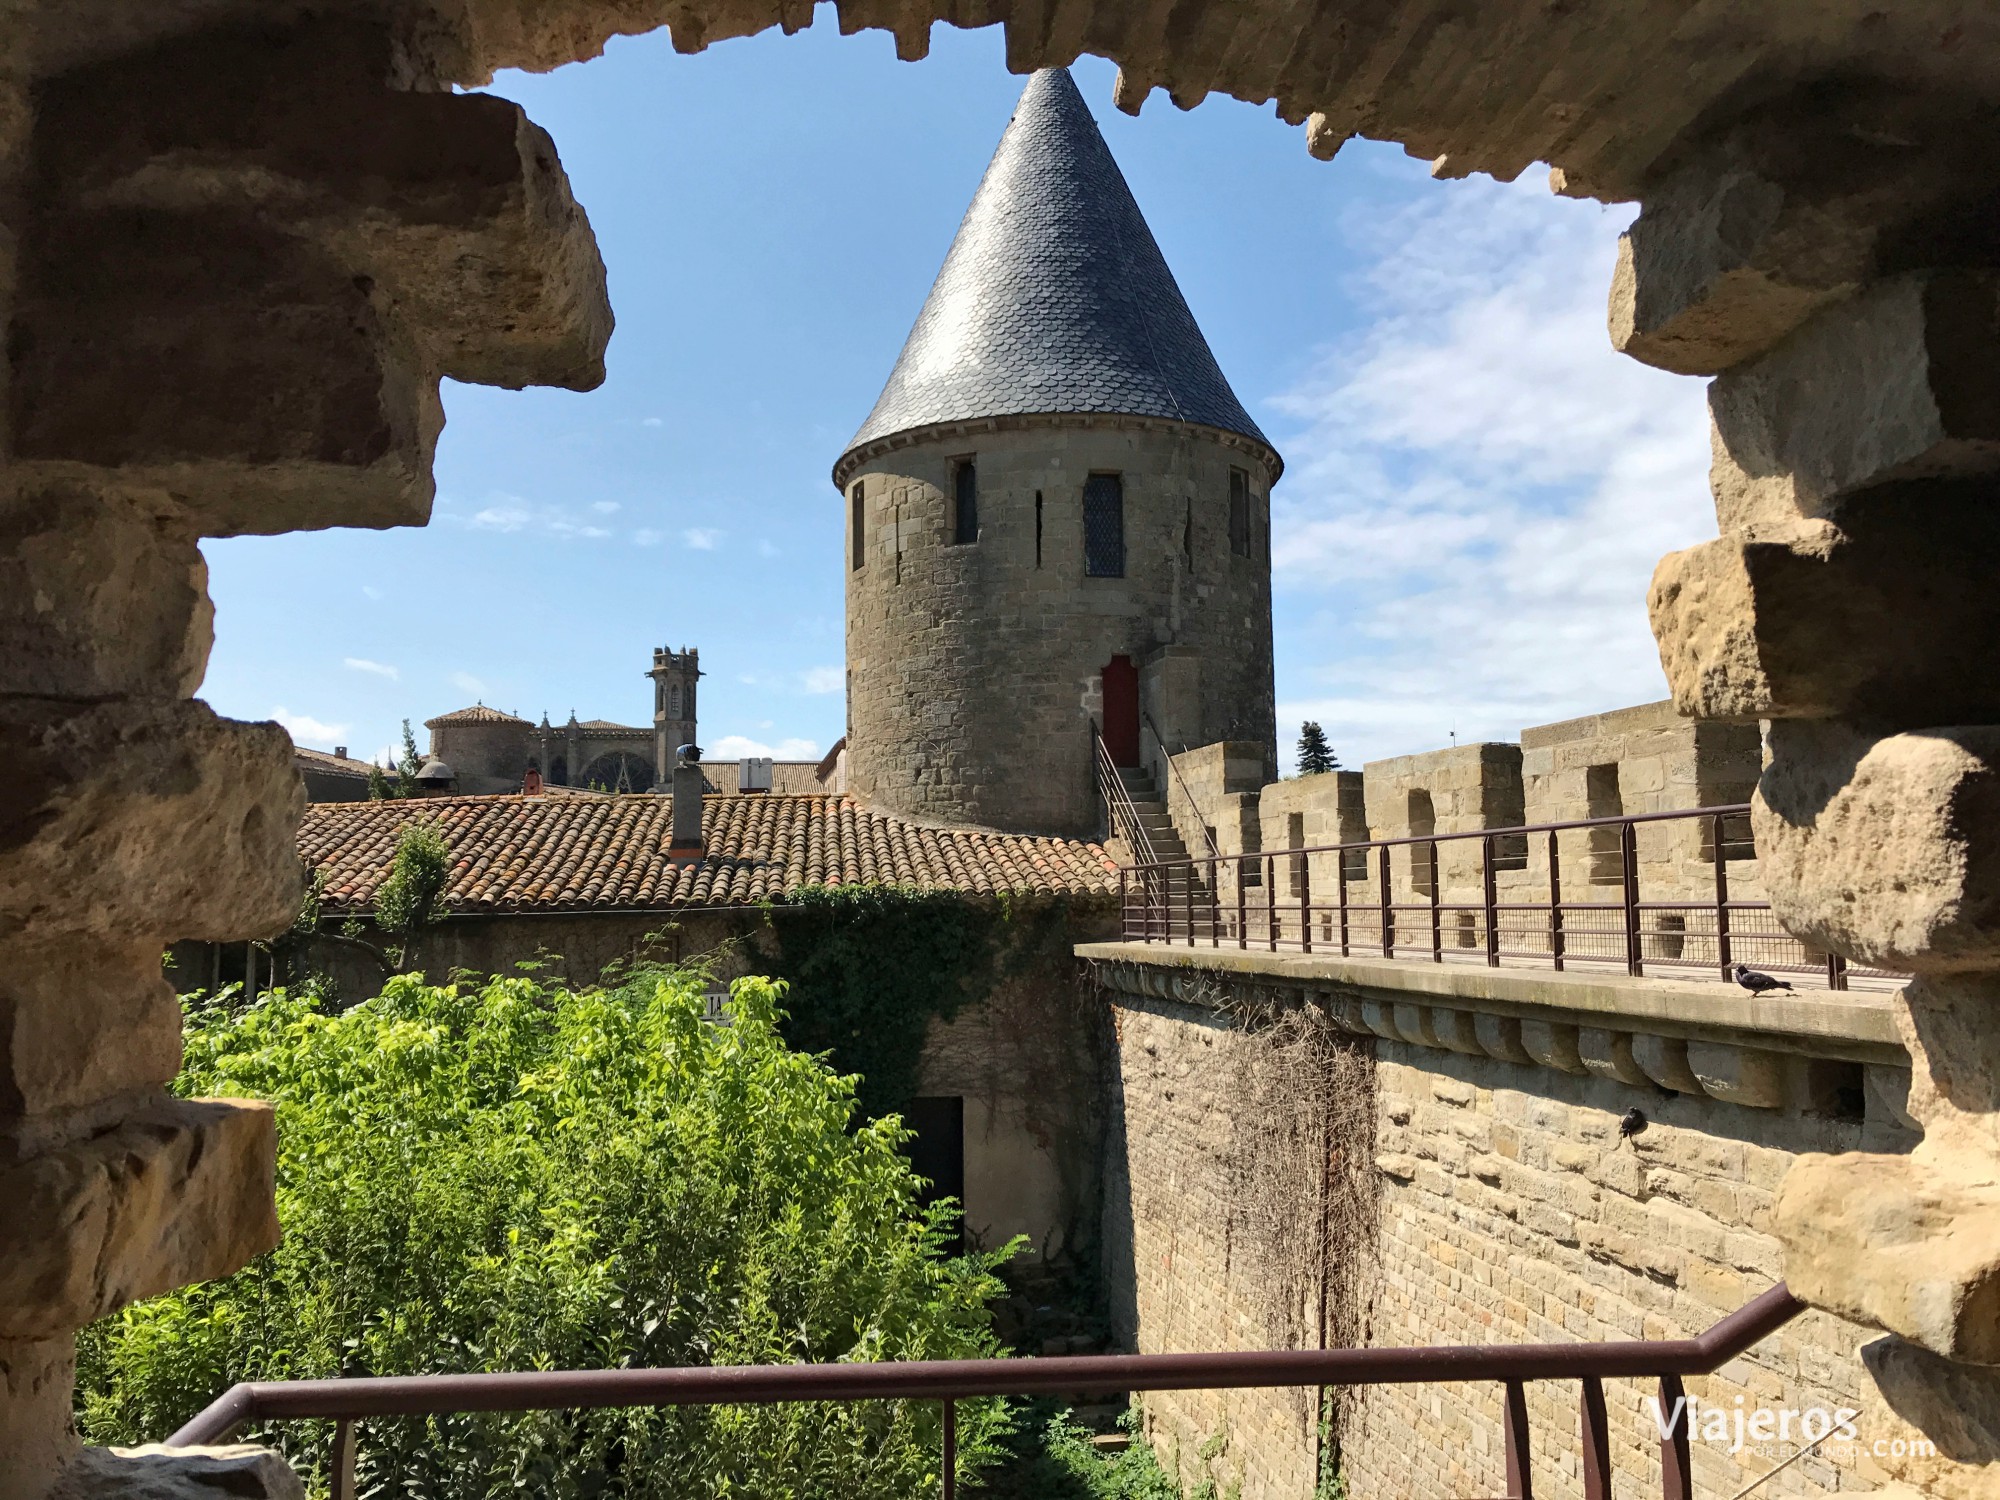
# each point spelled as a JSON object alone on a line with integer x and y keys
{"x": 101, "y": 595}
{"x": 1608, "y": 1054}
{"x": 1553, "y": 1045}
{"x": 138, "y": 363}
{"x": 1892, "y": 386}
{"x": 36, "y": 1435}
{"x": 235, "y": 1471}
{"x": 1897, "y": 1243}
{"x": 154, "y": 818}
{"x": 1500, "y": 1037}
{"x": 1738, "y": 1075}
{"x": 1885, "y": 849}
{"x": 1884, "y": 616}
{"x": 178, "y": 1195}
{"x": 1664, "y": 1060}
{"x": 1957, "y": 1406}
{"x": 84, "y": 1020}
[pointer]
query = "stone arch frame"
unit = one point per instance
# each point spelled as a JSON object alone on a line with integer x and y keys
{"x": 1864, "y": 252}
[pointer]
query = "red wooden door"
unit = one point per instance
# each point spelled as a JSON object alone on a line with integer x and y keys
{"x": 1121, "y": 710}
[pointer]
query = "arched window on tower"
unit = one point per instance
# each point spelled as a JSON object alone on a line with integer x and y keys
{"x": 673, "y": 700}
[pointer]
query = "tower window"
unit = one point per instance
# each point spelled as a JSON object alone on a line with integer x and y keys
{"x": 858, "y": 523}
{"x": 1038, "y": 528}
{"x": 1239, "y": 513}
{"x": 674, "y": 700}
{"x": 1187, "y": 538}
{"x": 1104, "y": 526}
{"x": 964, "y": 502}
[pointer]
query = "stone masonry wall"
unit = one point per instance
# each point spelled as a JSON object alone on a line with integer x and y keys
{"x": 975, "y": 668}
{"x": 1175, "y": 1275}
{"x": 1511, "y": 1210}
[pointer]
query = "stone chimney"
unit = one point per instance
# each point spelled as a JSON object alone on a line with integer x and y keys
{"x": 689, "y": 785}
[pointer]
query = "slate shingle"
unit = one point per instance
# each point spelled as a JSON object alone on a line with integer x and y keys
{"x": 1054, "y": 297}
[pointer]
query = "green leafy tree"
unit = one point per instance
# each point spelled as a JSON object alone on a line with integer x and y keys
{"x": 1315, "y": 754}
{"x": 519, "y": 1176}
{"x": 410, "y": 900}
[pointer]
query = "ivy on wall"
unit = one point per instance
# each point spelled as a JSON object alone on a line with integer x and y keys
{"x": 871, "y": 966}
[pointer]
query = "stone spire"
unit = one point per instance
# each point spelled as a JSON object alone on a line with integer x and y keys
{"x": 1054, "y": 297}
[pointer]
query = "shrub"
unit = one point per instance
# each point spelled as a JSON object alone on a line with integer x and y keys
{"x": 514, "y": 1176}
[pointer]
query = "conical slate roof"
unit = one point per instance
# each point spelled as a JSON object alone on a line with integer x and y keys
{"x": 1054, "y": 297}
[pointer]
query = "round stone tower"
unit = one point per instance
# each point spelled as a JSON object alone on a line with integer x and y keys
{"x": 1058, "y": 513}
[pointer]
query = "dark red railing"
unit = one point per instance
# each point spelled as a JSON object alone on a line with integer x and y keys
{"x": 347, "y": 1402}
{"x": 1403, "y": 898}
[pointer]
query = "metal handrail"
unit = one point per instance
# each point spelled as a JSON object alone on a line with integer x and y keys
{"x": 1118, "y": 802}
{"x": 1504, "y": 851}
{"x": 1173, "y": 776}
{"x": 348, "y": 1400}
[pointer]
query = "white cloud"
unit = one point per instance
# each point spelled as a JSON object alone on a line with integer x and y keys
{"x": 646, "y": 536}
{"x": 379, "y": 669}
{"x": 370, "y": 591}
{"x": 702, "y": 538}
{"x": 766, "y": 547}
{"x": 825, "y": 679}
{"x": 507, "y": 514}
{"x": 306, "y": 730}
{"x": 465, "y": 682}
{"x": 605, "y": 507}
{"x": 510, "y": 517}
{"x": 1479, "y": 486}
{"x": 737, "y": 747}
{"x": 651, "y": 422}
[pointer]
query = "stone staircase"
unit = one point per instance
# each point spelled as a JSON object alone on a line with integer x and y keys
{"x": 1152, "y": 810}
{"x": 1172, "y": 885}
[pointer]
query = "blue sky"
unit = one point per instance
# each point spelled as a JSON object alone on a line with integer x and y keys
{"x": 1478, "y": 486}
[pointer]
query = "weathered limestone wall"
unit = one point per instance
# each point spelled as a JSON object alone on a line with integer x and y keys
{"x": 975, "y": 669}
{"x": 233, "y": 274}
{"x": 1174, "y": 1273}
{"x": 1637, "y": 760}
{"x": 1511, "y": 1209}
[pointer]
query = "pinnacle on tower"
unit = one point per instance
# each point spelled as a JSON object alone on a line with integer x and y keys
{"x": 1054, "y": 297}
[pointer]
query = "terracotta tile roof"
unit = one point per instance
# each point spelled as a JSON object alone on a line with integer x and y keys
{"x": 541, "y": 854}
{"x": 335, "y": 765}
{"x": 479, "y": 713}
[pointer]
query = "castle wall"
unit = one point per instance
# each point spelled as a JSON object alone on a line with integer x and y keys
{"x": 486, "y": 757}
{"x": 1506, "y": 1208}
{"x": 975, "y": 669}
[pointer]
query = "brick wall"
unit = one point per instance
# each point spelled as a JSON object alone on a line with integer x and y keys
{"x": 1510, "y": 1210}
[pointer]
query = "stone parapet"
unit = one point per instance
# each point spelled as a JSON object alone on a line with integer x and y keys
{"x": 1810, "y": 1054}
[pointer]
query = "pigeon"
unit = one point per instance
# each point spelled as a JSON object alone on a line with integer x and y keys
{"x": 1632, "y": 1124}
{"x": 1758, "y": 983}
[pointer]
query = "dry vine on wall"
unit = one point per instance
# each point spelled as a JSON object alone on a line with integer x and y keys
{"x": 1303, "y": 1188}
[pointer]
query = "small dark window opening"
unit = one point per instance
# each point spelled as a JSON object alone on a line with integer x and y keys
{"x": 1187, "y": 538}
{"x": 1295, "y": 838}
{"x": 1104, "y": 526}
{"x": 1239, "y": 513}
{"x": 964, "y": 503}
{"x": 936, "y": 1153}
{"x": 858, "y": 523}
{"x": 1038, "y": 528}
